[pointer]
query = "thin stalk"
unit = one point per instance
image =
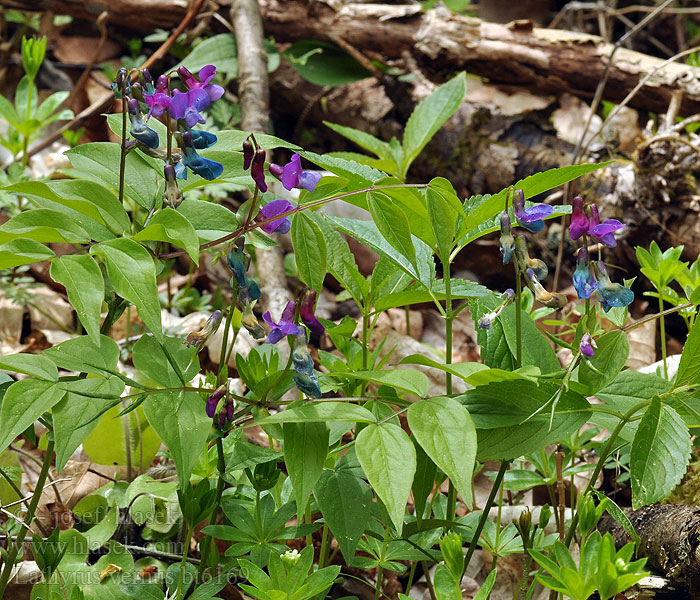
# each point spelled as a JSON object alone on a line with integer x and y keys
{"x": 27, "y": 116}
{"x": 180, "y": 576}
{"x": 518, "y": 314}
{"x": 127, "y": 444}
{"x": 12, "y": 553}
{"x": 122, "y": 153}
{"x": 380, "y": 569}
{"x": 428, "y": 580}
{"x": 662, "y": 328}
{"x": 449, "y": 318}
{"x": 324, "y": 547}
{"x": 485, "y": 515}
{"x": 220, "y": 485}
{"x": 224, "y": 343}
{"x": 411, "y": 575}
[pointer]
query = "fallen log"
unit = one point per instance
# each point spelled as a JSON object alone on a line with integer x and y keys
{"x": 542, "y": 60}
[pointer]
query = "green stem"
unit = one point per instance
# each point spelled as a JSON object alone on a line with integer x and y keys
{"x": 221, "y": 374}
{"x": 518, "y": 314}
{"x": 220, "y": 485}
{"x": 449, "y": 317}
{"x": 662, "y": 327}
{"x": 485, "y": 514}
{"x": 183, "y": 562}
{"x": 27, "y": 117}
{"x": 14, "y": 550}
{"x": 428, "y": 580}
{"x": 324, "y": 547}
{"x": 122, "y": 153}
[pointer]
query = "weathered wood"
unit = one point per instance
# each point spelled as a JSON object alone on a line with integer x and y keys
{"x": 543, "y": 60}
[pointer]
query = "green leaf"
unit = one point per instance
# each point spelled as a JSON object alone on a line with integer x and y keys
{"x": 232, "y": 140}
{"x": 182, "y": 424}
{"x": 532, "y": 186}
{"x": 486, "y": 587}
{"x": 72, "y": 416}
{"x": 22, "y": 251}
{"x": 97, "y": 160}
{"x": 414, "y": 382}
{"x": 443, "y": 219}
{"x": 429, "y": 116}
{"x": 211, "y": 221}
{"x": 309, "y": 250}
{"x": 446, "y": 588}
{"x": 392, "y": 224}
{"x": 151, "y": 360}
{"x": 133, "y": 274}
{"x": 24, "y": 402}
{"x": 35, "y": 365}
{"x": 43, "y": 225}
{"x": 324, "y": 64}
{"x": 689, "y": 367}
{"x": 444, "y": 429}
{"x": 660, "y": 454}
{"x": 82, "y": 354}
{"x": 83, "y": 281}
{"x": 388, "y": 458}
{"x": 49, "y": 106}
{"x": 7, "y": 111}
{"x": 321, "y": 412}
{"x": 219, "y": 50}
{"x": 246, "y": 455}
{"x": 346, "y": 504}
{"x": 305, "y": 451}
{"x": 168, "y": 225}
{"x": 357, "y": 174}
{"x": 88, "y": 198}
{"x": 610, "y": 358}
{"x": 363, "y": 140}
{"x": 507, "y": 426}
{"x": 461, "y": 288}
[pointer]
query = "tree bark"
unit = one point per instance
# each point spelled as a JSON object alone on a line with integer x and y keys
{"x": 543, "y": 60}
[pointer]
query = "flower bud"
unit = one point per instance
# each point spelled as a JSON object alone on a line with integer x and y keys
{"x": 248, "y": 154}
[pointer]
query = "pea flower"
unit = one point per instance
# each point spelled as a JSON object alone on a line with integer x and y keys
{"x": 306, "y": 312}
{"x": 587, "y": 345}
{"x": 149, "y": 88}
{"x": 293, "y": 176}
{"x": 257, "y": 169}
{"x": 172, "y": 194}
{"x": 204, "y": 167}
{"x": 206, "y": 74}
{"x": 304, "y": 376}
{"x": 196, "y": 338}
{"x": 286, "y": 325}
{"x": 549, "y": 299}
{"x": 603, "y": 232}
{"x": 250, "y": 321}
{"x": 274, "y": 208}
{"x": 487, "y": 320}
{"x": 584, "y": 280}
{"x": 142, "y": 132}
{"x": 506, "y": 242}
{"x": 579, "y": 220}
{"x": 530, "y": 218}
{"x": 248, "y": 289}
{"x": 610, "y": 294}
{"x": 202, "y": 139}
{"x": 538, "y": 266}
{"x": 226, "y": 413}
{"x": 213, "y": 401}
{"x": 188, "y": 106}
{"x": 158, "y": 100}
{"x": 248, "y": 154}
{"x": 120, "y": 81}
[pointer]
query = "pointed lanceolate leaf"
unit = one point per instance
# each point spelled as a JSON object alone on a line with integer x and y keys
{"x": 132, "y": 273}
{"x": 83, "y": 281}
{"x": 169, "y": 225}
{"x": 388, "y": 458}
{"x": 660, "y": 454}
{"x": 309, "y": 250}
{"x": 81, "y": 354}
{"x": 689, "y": 367}
{"x": 305, "y": 451}
{"x": 392, "y": 224}
{"x": 22, "y": 251}
{"x": 43, "y": 225}
{"x": 444, "y": 429}
{"x": 36, "y": 365}
{"x": 608, "y": 361}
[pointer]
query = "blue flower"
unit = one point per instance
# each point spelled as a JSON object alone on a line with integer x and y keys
{"x": 506, "y": 241}
{"x": 274, "y": 208}
{"x": 611, "y": 294}
{"x": 584, "y": 280}
{"x": 204, "y": 167}
{"x": 188, "y": 106}
{"x": 202, "y": 139}
{"x": 286, "y": 325}
{"x": 304, "y": 376}
{"x": 530, "y": 218}
{"x": 141, "y": 132}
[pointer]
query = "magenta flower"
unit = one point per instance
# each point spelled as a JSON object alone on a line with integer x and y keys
{"x": 274, "y": 208}
{"x": 530, "y": 218}
{"x": 579, "y": 220}
{"x": 587, "y": 345}
{"x": 206, "y": 74}
{"x": 248, "y": 154}
{"x": 306, "y": 312}
{"x": 603, "y": 232}
{"x": 286, "y": 325}
{"x": 293, "y": 176}
{"x": 213, "y": 401}
{"x": 189, "y": 105}
{"x": 158, "y": 103}
{"x": 257, "y": 169}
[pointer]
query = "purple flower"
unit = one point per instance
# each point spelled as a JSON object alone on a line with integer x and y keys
{"x": 257, "y": 170}
{"x": 188, "y": 105}
{"x": 149, "y": 88}
{"x": 248, "y": 154}
{"x": 142, "y": 132}
{"x": 306, "y": 311}
{"x": 226, "y": 413}
{"x": 213, "y": 401}
{"x": 530, "y": 218}
{"x": 579, "y": 220}
{"x": 506, "y": 241}
{"x": 293, "y": 176}
{"x": 285, "y": 326}
{"x": 584, "y": 280}
{"x": 610, "y": 294}
{"x": 158, "y": 103}
{"x": 274, "y": 208}
{"x": 587, "y": 345}
{"x": 206, "y": 74}
{"x": 304, "y": 376}
{"x": 204, "y": 167}
{"x": 603, "y": 232}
